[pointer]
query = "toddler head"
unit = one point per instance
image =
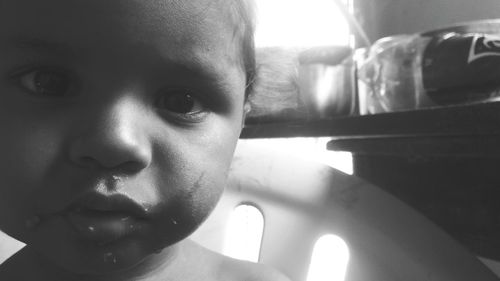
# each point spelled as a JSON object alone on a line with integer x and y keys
{"x": 120, "y": 118}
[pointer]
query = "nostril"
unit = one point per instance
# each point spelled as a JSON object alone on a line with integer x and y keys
{"x": 87, "y": 162}
{"x": 128, "y": 168}
{"x": 124, "y": 168}
{"x": 119, "y": 157}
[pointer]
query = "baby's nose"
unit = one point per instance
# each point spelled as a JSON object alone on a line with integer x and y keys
{"x": 113, "y": 139}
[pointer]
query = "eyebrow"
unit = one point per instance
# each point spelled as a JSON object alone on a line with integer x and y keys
{"x": 199, "y": 67}
{"x": 44, "y": 46}
{"x": 203, "y": 72}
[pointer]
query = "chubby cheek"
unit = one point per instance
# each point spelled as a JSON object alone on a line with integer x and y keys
{"x": 184, "y": 215}
{"x": 28, "y": 153}
{"x": 200, "y": 168}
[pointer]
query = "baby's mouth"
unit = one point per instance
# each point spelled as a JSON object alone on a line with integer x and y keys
{"x": 103, "y": 227}
{"x": 104, "y": 219}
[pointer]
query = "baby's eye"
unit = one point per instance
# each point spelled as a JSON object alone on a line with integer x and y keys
{"x": 45, "y": 82}
{"x": 180, "y": 102}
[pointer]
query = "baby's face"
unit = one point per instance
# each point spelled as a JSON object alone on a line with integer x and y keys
{"x": 119, "y": 122}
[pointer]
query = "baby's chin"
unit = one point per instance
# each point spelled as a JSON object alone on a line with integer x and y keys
{"x": 108, "y": 264}
{"x": 61, "y": 250}
{"x": 124, "y": 262}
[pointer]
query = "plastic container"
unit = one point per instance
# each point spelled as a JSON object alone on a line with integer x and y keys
{"x": 448, "y": 66}
{"x": 390, "y": 76}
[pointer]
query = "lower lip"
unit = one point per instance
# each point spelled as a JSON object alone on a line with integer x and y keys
{"x": 103, "y": 227}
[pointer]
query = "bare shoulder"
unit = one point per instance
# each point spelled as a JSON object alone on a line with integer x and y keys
{"x": 223, "y": 268}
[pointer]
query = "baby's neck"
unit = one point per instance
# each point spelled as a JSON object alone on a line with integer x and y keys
{"x": 27, "y": 265}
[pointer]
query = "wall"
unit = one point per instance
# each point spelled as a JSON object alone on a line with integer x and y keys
{"x": 382, "y": 18}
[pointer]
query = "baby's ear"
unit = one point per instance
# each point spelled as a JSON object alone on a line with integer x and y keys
{"x": 247, "y": 107}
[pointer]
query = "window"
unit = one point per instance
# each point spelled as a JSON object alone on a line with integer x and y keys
{"x": 301, "y": 23}
{"x": 309, "y": 149}
{"x": 8, "y": 246}
{"x": 329, "y": 259}
{"x": 244, "y": 233}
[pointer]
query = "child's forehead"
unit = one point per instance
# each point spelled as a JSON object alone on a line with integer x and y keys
{"x": 173, "y": 27}
{"x": 181, "y": 21}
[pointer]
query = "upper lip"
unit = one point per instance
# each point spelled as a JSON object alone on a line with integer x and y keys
{"x": 119, "y": 203}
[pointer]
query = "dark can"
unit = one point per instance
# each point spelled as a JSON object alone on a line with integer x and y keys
{"x": 462, "y": 68}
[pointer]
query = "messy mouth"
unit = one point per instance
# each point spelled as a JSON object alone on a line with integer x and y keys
{"x": 104, "y": 219}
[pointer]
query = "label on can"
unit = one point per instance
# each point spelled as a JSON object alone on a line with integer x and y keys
{"x": 484, "y": 46}
{"x": 461, "y": 68}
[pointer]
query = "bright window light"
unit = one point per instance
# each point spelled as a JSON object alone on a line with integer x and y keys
{"x": 8, "y": 246}
{"x": 309, "y": 149}
{"x": 244, "y": 233}
{"x": 300, "y": 23}
{"x": 329, "y": 260}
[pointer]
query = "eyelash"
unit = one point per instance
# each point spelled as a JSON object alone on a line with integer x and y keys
{"x": 193, "y": 116}
{"x": 25, "y": 79}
